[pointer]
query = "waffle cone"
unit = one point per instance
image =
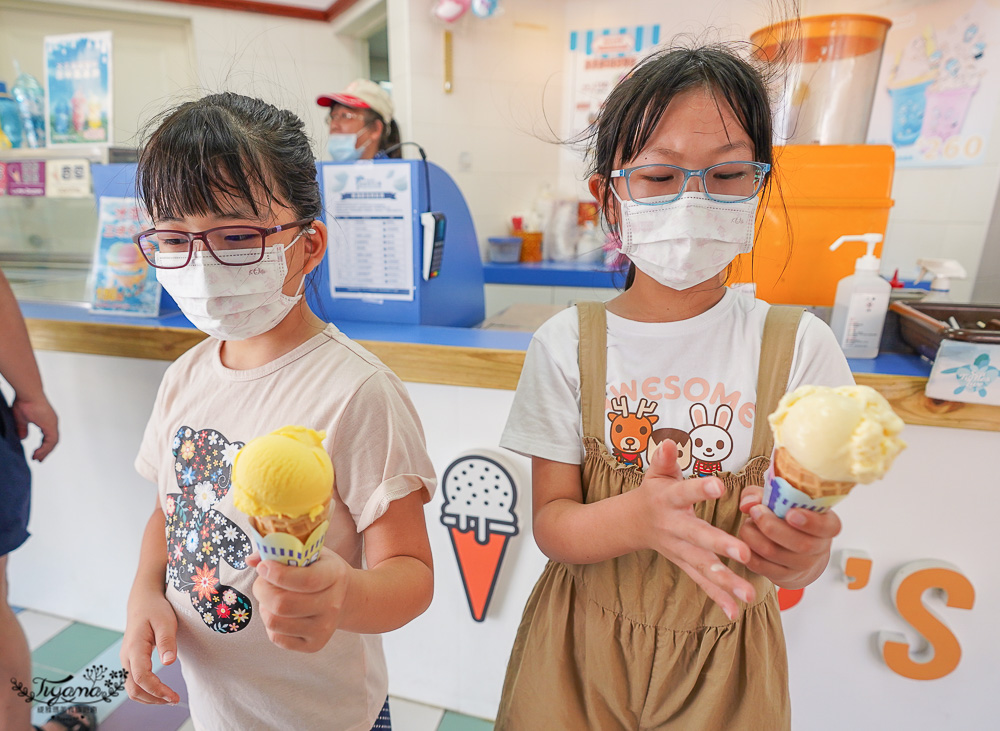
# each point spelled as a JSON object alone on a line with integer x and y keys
{"x": 300, "y": 527}
{"x": 802, "y": 479}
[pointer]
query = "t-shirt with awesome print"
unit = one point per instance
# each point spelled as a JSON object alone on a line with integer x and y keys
{"x": 693, "y": 382}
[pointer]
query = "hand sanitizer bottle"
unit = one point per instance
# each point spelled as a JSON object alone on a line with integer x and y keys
{"x": 861, "y": 302}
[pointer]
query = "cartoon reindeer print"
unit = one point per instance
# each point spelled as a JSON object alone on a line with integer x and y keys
{"x": 710, "y": 443}
{"x": 630, "y": 432}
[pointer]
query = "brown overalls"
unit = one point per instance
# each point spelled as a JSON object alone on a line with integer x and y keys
{"x": 633, "y": 642}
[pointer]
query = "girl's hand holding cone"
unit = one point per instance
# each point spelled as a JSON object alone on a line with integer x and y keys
{"x": 792, "y": 552}
{"x": 668, "y": 525}
{"x": 301, "y": 605}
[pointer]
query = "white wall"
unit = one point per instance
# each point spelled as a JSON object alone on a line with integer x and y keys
{"x": 938, "y": 212}
{"x": 286, "y": 61}
{"x": 491, "y": 132}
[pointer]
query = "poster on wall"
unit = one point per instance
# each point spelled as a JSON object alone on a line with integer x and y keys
{"x": 120, "y": 280}
{"x": 600, "y": 58}
{"x": 78, "y": 88}
{"x": 939, "y": 85}
{"x": 371, "y": 243}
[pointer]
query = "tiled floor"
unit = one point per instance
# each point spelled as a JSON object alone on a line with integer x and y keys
{"x": 60, "y": 647}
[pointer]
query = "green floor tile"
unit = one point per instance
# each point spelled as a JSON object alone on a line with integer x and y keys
{"x": 74, "y": 647}
{"x": 457, "y": 722}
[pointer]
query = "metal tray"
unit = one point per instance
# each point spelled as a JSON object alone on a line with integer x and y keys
{"x": 923, "y": 325}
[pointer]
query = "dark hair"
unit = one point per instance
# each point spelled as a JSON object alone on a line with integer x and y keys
{"x": 390, "y": 132}
{"x": 633, "y": 109}
{"x": 227, "y": 145}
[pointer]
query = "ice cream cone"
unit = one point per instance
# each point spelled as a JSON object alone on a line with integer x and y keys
{"x": 283, "y": 481}
{"x": 479, "y": 564}
{"x": 804, "y": 480}
{"x": 291, "y": 541}
{"x": 788, "y": 485}
{"x": 301, "y": 527}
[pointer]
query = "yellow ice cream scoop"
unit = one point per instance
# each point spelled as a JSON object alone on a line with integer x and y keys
{"x": 847, "y": 433}
{"x": 285, "y": 473}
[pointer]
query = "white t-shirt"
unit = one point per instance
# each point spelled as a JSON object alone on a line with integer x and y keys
{"x": 204, "y": 412}
{"x": 693, "y": 381}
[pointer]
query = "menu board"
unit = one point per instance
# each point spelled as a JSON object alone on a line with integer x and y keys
{"x": 370, "y": 219}
{"x": 121, "y": 281}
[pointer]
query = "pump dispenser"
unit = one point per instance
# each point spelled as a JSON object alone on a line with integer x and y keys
{"x": 861, "y": 302}
{"x": 942, "y": 271}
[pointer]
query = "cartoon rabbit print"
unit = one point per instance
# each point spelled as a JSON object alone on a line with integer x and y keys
{"x": 710, "y": 443}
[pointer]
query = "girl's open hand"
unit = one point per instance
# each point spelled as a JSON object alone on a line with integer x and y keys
{"x": 301, "y": 605}
{"x": 792, "y": 552}
{"x": 670, "y": 527}
{"x": 151, "y": 625}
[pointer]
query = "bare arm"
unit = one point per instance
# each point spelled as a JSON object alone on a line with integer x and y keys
{"x": 569, "y": 531}
{"x": 303, "y": 606}
{"x": 151, "y": 623}
{"x": 19, "y": 368}
{"x": 152, "y": 571}
{"x": 399, "y": 581}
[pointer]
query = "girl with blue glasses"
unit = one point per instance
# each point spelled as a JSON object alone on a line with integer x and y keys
{"x": 658, "y": 606}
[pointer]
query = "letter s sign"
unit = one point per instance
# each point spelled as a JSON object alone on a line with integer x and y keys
{"x": 943, "y": 652}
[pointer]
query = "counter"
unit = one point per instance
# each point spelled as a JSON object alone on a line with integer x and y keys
{"x": 925, "y": 523}
{"x": 451, "y": 356}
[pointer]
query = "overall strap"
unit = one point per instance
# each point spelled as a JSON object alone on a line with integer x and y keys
{"x": 593, "y": 366}
{"x": 777, "y": 349}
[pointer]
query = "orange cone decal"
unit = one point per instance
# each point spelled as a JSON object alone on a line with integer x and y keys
{"x": 479, "y": 495}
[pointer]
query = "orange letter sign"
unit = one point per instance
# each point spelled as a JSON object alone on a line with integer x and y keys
{"x": 943, "y": 651}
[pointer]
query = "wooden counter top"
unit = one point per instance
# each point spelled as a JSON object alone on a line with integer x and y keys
{"x": 462, "y": 366}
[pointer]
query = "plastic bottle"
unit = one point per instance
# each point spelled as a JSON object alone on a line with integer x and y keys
{"x": 10, "y": 120}
{"x": 861, "y": 302}
{"x": 30, "y": 98}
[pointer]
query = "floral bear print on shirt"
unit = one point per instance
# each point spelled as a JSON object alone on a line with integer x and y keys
{"x": 199, "y": 537}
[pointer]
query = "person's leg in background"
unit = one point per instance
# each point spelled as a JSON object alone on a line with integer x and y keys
{"x": 15, "y": 662}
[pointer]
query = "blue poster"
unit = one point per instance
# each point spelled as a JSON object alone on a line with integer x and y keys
{"x": 78, "y": 88}
{"x": 121, "y": 279}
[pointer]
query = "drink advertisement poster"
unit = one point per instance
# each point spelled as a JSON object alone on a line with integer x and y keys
{"x": 598, "y": 60}
{"x": 78, "y": 88}
{"x": 121, "y": 281}
{"x": 939, "y": 84}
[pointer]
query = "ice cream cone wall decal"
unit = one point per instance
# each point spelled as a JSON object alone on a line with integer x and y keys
{"x": 479, "y": 498}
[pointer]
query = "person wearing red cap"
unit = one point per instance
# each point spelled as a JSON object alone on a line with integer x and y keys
{"x": 361, "y": 123}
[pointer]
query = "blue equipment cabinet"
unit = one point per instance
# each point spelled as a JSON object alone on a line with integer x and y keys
{"x": 454, "y": 298}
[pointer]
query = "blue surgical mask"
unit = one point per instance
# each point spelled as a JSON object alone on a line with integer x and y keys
{"x": 343, "y": 147}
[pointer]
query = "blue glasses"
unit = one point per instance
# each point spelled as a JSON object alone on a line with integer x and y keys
{"x": 727, "y": 182}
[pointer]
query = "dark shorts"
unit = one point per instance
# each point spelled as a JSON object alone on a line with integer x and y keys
{"x": 382, "y": 723}
{"x": 15, "y": 484}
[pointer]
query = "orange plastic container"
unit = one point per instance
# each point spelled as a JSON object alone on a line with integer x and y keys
{"x": 828, "y": 191}
{"x": 829, "y": 65}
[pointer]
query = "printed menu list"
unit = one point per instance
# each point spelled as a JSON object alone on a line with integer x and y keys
{"x": 371, "y": 231}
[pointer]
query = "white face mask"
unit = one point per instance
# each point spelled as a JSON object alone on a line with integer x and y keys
{"x": 687, "y": 241}
{"x": 343, "y": 147}
{"x": 227, "y": 302}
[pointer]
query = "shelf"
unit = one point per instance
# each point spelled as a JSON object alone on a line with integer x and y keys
{"x": 93, "y": 153}
{"x": 553, "y": 274}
